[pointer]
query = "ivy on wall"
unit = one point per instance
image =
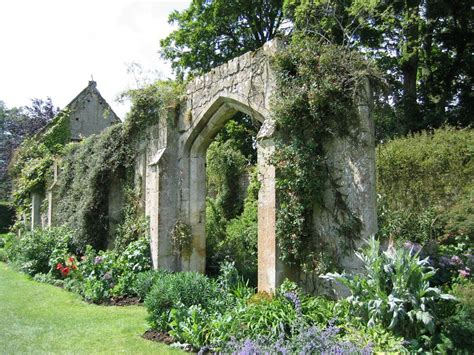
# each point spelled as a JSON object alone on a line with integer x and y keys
{"x": 86, "y": 167}
{"x": 314, "y": 104}
{"x": 31, "y": 164}
{"x": 84, "y": 181}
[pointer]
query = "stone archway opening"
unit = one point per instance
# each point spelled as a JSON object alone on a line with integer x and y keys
{"x": 232, "y": 197}
{"x": 208, "y": 126}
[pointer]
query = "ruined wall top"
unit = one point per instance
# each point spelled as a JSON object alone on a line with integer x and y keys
{"x": 245, "y": 81}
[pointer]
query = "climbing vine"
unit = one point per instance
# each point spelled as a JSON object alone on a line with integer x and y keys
{"x": 314, "y": 104}
{"x": 88, "y": 167}
{"x": 32, "y": 161}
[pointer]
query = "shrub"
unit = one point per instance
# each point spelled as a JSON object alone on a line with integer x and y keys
{"x": 394, "y": 291}
{"x": 144, "y": 281}
{"x": 459, "y": 327}
{"x": 99, "y": 275}
{"x": 48, "y": 279}
{"x": 425, "y": 186}
{"x": 3, "y": 256}
{"x": 425, "y": 169}
{"x": 135, "y": 259}
{"x": 177, "y": 290}
{"x": 7, "y": 216}
{"x": 31, "y": 252}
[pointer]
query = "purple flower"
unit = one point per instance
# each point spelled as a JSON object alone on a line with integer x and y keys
{"x": 97, "y": 260}
{"x": 107, "y": 276}
{"x": 293, "y": 297}
{"x": 456, "y": 260}
{"x": 412, "y": 247}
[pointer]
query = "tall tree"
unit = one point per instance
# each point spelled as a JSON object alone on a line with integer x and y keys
{"x": 424, "y": 46}
{"x": 210, "y": 32}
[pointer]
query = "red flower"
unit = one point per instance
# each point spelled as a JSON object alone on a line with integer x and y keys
{"x": 71, "y": 259}
{"x": 65, "y": 271}
{"x": 74, "y": 267}
{"x": 59, "y": 266}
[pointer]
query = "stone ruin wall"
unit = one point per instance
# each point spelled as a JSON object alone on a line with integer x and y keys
{"x": 170, "y": 168}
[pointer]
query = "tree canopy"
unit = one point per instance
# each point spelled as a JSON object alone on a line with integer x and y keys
{"x": 424, "y": 48}
{"x": 210, "y": 32}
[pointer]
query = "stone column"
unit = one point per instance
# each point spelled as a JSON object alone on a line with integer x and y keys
{"x": 161, "y": 191}
{"x": 50, "y": 196}
{"x": 36, "y": 200}
{"x": 270, "y": 269}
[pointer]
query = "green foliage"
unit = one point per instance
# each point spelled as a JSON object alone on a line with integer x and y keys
{"x": 394, "y": 292}
{"x": 135, "y": 259}
{"x": 210, "y": 33}
{"x": 32, "y": 251}
{"x": 176, "y": 291}
{"x": 83, "y": 184}
{"x": 422, "y": 47}
{"x": 313, "y": 104}
{"x": 225, "y": 165}
{"x": 459, "y": 327}
{"x": 3, "y": 256}
{"x": 231, "y": 207}
{"x": 426, "y": 169}
{"x": 144, "y": 281}
{"x": 7, "y": 215}
{"x": 235, "y": 238}
{"x": 31, "y": 164}
{"x": 150, "y": 104}
{"x": 425, "y": 186}
{"x": 107, "y": 274}
{"x": 134, "y": 224}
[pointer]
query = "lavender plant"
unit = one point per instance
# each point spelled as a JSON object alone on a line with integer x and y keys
{"x": 301, "y": 338}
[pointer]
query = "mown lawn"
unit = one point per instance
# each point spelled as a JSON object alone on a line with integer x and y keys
{"x": 40, "y": 318}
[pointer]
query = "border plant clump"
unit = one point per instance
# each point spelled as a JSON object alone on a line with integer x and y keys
{"x": 314, "y": 104}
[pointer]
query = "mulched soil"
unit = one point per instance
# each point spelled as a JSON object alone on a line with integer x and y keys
{"x": 160, "y": 337}
{"x": 123, "y": 301}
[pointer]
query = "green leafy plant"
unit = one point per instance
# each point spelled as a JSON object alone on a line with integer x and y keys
{"x": 173, "y": 290}
{"x": 31, "y": 252}
{"x": 394, "y": 291}
{"x": 144, "y": 281}
{"x": 134, "y": 224}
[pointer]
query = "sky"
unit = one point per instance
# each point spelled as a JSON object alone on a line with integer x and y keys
{"x": 52, "y": 48}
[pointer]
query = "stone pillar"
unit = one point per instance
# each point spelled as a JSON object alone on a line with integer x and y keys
{"x": 196, "y": 261}
{"x": 271, "y": 271}
{"x": 115, "y": 202}
{"x": 50, "y": 196}
{"x": 161, "y": 191}
{"x": 36, "y": 200}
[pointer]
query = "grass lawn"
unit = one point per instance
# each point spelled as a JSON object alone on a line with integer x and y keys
{"x": 40, "y": 318}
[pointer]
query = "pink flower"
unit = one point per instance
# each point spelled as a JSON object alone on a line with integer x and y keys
{"x": 464, "y": 272}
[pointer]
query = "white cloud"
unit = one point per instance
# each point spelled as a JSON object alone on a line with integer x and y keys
{"x": 52, "y": 47}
